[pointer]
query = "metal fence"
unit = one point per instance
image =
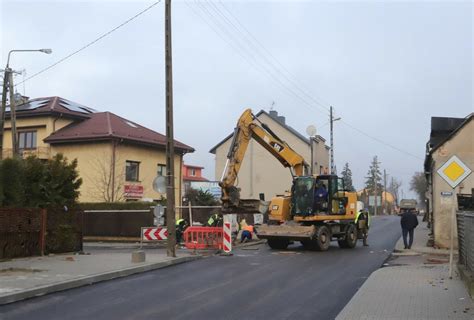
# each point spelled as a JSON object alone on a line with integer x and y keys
{"x": 28, "y": 232}
{"x": 465, "y": 222}
{"x": 116, "y": 223}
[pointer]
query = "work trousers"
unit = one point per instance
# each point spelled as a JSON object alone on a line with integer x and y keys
{"x": 405, "y": 233}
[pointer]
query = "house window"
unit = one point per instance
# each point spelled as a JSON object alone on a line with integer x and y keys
{"x": 192, "y": 172}
{"x": 161, "y": 169}
{"x": 321, "y": 171}
{"x": 27, "y": 140}
{"x": 132, "y": 170}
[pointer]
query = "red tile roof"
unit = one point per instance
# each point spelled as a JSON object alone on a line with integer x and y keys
{"x": 191, "y": 166}
{"x": 108, "y": 126}
{"x": 194, "y": 178}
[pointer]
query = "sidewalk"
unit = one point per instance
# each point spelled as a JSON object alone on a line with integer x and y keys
{"x": 28, "y": 277}
{"x": 413, "y": 284}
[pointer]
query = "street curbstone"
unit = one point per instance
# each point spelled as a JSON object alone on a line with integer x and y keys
{"x": 88, "y": 280}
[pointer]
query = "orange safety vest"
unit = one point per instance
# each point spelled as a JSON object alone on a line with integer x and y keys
{"x": 249, "y": 228}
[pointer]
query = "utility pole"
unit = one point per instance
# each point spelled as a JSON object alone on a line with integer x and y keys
{"x": 170, "y": 202}
{"x": 6, "y": 77}
{"x": 8, "y": 83}
{"x": 15, "y": 150}
{"x": 375, "y": 195}
{"x": 384, "y": 195}
{"x": 311, "y": 141}
{"x": 331, "y": 121}
{"x": 332, "y": 139}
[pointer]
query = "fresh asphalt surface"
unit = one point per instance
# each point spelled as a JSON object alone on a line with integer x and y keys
{"x": 256, "y": 283}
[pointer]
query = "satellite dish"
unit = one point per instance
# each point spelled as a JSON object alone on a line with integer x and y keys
{"x": 159, "y": 184}
{"x": 311, "y": 130}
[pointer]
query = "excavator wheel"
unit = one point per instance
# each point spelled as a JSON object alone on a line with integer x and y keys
{"x": 350, "y": 239}
{"x": 278, "y": 244}
{"x": 323, "y": 238}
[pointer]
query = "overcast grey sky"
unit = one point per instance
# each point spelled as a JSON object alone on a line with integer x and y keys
{"x": 385, "y": 66}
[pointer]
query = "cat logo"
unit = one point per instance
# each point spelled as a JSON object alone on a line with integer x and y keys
{"x": 278, "y": 147}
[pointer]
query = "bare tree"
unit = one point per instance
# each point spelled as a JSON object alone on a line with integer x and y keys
{"x": 419, "y": 185}
{"x": 394, "y": 188}
{"x": 108, "y": 179}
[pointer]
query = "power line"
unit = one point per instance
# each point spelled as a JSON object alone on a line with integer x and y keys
{"x": 381, "y": 141}
{"x": 221, "y": 25}
{"x": 91, "y": 43}
{"x": 292, "y": 78}
{"x": 296, "y": 84}
{"x": 256, "y": 49}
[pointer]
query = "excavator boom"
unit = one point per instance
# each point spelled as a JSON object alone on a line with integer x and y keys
{"x": 248, "y": 127}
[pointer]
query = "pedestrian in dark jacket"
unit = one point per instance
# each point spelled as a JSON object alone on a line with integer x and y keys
{"x": 409, "y": 222}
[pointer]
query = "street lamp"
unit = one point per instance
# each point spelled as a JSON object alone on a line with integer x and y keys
{"x": 47, "y": 51}
{"x": 8, "y": 85}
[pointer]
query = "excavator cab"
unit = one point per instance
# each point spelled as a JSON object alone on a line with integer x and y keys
{"x": 321, "y": 195}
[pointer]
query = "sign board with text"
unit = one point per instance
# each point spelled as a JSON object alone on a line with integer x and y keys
{"x": 133, "y": 191}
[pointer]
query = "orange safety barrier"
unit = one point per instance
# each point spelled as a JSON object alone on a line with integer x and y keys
{"x": 203, "y": 238}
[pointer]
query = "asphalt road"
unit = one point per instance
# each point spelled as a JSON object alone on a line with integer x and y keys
{"x": 256, "y": 283}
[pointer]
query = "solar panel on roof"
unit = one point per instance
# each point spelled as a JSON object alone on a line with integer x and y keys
{"x": 73, "y": 106}
{"x": 31, "y": 105}
{"x": 89, "y": 109}
{"x": 133, "y": 125}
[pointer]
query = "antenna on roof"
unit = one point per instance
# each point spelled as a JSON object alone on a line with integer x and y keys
{"x": 271, "y": 107}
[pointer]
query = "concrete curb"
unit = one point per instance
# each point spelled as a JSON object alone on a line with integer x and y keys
{"x": 87, "y": 280}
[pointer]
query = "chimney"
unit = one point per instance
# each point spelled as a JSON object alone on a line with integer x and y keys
{"x": 20, "y": 99}
{"x": 275, "y": 116}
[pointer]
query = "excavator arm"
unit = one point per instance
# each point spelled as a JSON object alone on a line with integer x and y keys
{"x": 249, "y": 127}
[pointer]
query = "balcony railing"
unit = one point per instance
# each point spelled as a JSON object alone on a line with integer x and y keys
{"x": 40, "y": 152}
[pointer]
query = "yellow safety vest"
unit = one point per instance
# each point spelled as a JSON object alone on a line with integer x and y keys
{"x": 368, "y": 218}
{"x": 212, "y": 219}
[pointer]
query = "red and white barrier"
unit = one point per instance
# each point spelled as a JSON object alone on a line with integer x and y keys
{"x": 227, "y": 241}
{"x": 154, "y": 234}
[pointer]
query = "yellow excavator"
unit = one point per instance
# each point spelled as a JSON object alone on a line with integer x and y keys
{"x": 317, "y": 210}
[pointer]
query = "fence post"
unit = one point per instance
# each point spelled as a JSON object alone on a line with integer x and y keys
{"x": 44, "y": 217}
{"x": 81, "y": 212}
{"x": 190, "y": 214}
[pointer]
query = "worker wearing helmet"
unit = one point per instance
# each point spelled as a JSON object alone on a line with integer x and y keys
{"x": 362, "y": 221}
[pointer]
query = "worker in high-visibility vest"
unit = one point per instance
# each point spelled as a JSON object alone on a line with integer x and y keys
{"x": 181, "y": 225}
{"x": 362, "y": 221}
{"x": 214, "y": 220}
{"x": 246, "y": 234}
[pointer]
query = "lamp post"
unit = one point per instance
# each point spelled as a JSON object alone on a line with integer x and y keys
{"x": 8, "y": 86}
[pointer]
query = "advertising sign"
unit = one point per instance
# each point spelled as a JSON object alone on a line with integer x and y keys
{"x": 133, "y": 191}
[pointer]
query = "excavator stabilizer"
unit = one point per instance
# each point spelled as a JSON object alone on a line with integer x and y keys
{"x": 287, "y": 231}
